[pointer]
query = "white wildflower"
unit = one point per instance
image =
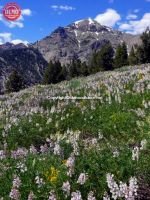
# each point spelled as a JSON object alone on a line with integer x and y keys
{"x": 82, "y": 178}
{"x": 66, "y": 188}
{"x": 135, "y": 153}
{"x": 76, "y": 195}
{"x": 91, "y": 196}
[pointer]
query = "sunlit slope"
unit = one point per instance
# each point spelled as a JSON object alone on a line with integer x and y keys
{"x": 79, "y": 144}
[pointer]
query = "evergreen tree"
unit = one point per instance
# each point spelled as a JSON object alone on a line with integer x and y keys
{"x": 132, "y": 57}
{"x": 139, "y": 55}
{"x": 64, "y": 73}
{"x": 53, "y": 73}
{"x": 125, "y": 54}
{"x": 118, "y": 57}
{"x": 57, "y": 72}
{"x": 104, "y": 58}
{"x": 15, "y": 82}
{"x": 84, "y": 69}
{"x": 121, "y": 56}
{"x": 75, "y": 68}
{"x": 144, "y": 50}
{"x": 48, "y": 76}
{"x": 93, "y": 68}
{"x": 72, "y": 70}
{"x": 78, "y": 66}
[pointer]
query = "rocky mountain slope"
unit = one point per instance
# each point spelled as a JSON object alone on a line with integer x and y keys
{"x": 81, "y": 39}
{"x": 27, "y": 60}
{"x": 77, "y": 40}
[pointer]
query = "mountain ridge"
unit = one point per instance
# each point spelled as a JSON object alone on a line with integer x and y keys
{"x": 80, "y": 39}
{"x": 26, "y": 60}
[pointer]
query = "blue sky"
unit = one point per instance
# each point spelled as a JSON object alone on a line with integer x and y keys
{"x": 41, "y": 17}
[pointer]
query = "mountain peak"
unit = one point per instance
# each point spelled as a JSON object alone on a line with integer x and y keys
{"x": 91, "y": 21}
{"x": 88, "y": 22}
{"x": 79, "y": 40}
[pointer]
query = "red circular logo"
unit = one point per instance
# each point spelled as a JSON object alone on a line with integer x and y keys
{"x": 11, "y": 11}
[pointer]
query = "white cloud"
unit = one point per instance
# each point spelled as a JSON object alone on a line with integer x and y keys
{"x": 62, "y": 8}
{"x": 7, "y": 37}
{"x": 109, "y": 18}
{"x": 12, "y": 24}
{"x": 26, "y": 12}
{"x": 18, "y": 23}
{"x": 148, "y": 0}
{"x": 18, "y": 41}
{"x": 131, "y": 16}
{"x": 136, "y": 26}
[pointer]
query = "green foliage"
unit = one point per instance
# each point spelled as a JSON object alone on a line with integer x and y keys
{"x": 74, "y": 83}
{"x": 121, "y": 56}
{"x": 143, "y": 51}
{"x": 111, "y": 119}
{"x": 84, "y": 69}
{"x": 139, "y": 54}
{"x": 103, "y": 59}
{"x": 133, "y": 60}
{"x": 93, "y": 64}
{"x": 15, "y": 82}
{"x": 97, "y": 128}
{"x": 53, "y": 73}
{"x": 75, "y": 68}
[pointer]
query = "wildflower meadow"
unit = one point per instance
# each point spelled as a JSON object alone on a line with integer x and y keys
{"x": 78, "y": 149}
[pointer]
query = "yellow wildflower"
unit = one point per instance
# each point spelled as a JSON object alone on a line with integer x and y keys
{"x": 52, "y": 175}
{"x": 64, "y": 162}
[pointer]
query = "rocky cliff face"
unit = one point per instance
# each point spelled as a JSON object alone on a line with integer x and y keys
{"x": 28, "y": 61}
{"x": 80, "y": 40}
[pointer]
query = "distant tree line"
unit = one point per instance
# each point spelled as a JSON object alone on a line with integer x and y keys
{"x": 103, "y": 60}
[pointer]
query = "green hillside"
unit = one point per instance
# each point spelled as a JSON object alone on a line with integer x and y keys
{"x": 82, "y": 148}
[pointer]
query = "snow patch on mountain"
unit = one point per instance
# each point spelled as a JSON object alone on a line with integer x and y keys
{"x": 91, "y": 21}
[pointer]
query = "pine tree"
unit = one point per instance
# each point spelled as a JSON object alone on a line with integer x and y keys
{"x": 72, "y": 70}
{"x": 75, "y": 68}
{"x": 78, "y": 66}
{"x": 53, "y": 73}
{"x": 64, "y": 73}
{"x": 48, "y": 76}
{"x": 118, "y": 57}
{"x": 125, "y": 54}
{"x": 84, "y": 69}
{"x": 140, "y": 55}
{"x": 144, "y": 49}
{"x": 57, "y": 72}
{"x": 132, "y": 57}
{"x": 93, "y": 68}
{"x": 121, "y": 56}
{"x": 15, "y": 82}
{"x": 104, "y": 58}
